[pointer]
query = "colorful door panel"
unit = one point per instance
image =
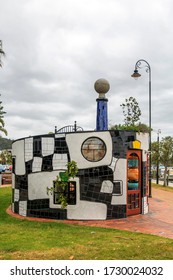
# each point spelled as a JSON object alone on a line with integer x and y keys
{"x": 133, "y": 182}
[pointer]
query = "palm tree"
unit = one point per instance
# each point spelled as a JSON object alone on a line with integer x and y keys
{"x": 2, "y": 127}
{"x": 1, "y": 52}
{"x": 2, "y": 124}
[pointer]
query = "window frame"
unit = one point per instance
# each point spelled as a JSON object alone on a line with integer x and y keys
{"x": 89, "y": 158}
{"x": 67, "y": 192}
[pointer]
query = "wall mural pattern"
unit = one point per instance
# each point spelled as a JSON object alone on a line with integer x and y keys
{"x": 101, "y": 183}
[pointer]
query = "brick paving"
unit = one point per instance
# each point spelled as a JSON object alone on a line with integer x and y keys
{"x": 159, "y": 220}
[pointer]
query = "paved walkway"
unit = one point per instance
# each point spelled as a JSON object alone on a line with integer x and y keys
{"x": 159, "y": 220}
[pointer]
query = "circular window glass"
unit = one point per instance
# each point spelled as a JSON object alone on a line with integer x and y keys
{"x": 93, "y": 149}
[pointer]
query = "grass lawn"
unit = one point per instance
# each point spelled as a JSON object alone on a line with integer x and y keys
{"x": 161, "y": 187}
{"x": 31, "y": 240}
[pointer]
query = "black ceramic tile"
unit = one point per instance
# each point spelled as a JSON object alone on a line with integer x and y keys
{"x": 47, "y": 163}
{"x": 61, "y": 146}
{"x": 37, "y": 149}
{"x": 21, "y": 182}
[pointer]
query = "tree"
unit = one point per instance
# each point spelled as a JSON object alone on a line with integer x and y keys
{"x": 1, "y": 52}
{"x": 132, "y": 113}
{"x": 6, "y": 157}
{"x": 5, "y": 144}
{"x": 163, "y": 152}
{"x": 2, "y": 123}
{"x": 155, "y": 152}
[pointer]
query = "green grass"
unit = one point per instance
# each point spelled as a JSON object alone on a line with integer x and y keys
{"x": 31, "y": 240}
{"x": 161, "y": 187}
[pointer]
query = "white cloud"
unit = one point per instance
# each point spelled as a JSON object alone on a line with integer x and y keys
{"x": 55, "y": 50}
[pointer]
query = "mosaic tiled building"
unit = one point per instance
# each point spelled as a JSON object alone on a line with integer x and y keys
{"x": 111, "y": 182}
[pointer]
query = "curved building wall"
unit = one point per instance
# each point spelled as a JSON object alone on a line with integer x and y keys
{"x": 101, "y": 182}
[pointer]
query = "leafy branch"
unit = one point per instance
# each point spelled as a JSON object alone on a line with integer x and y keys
{"x": 60, "y": 185}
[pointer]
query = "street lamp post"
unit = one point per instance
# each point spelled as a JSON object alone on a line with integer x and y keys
{"x": 157, "y": 174}
{"x": 137, "y": 75}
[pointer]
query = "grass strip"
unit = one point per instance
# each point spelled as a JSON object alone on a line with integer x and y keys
{"x": 32, "y": 240}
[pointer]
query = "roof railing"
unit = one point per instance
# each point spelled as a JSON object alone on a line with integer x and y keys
{"x": 69, "y": 128}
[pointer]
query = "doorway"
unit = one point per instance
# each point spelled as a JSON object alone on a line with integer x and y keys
{"x": 133, "y": 182}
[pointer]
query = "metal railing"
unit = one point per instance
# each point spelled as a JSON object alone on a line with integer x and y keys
{"x": 69, "y": 128}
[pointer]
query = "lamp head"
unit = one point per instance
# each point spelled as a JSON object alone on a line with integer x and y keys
{"x": 135, "y": 75}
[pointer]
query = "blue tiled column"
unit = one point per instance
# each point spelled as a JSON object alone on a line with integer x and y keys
{"x": 102, "y": 115}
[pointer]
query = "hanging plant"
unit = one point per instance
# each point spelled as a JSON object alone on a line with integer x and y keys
{"x": 60, "y": 185}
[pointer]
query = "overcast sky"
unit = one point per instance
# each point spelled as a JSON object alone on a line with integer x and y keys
{"x": 57, "y": 49}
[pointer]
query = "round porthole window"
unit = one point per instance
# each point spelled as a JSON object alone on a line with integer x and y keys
{"x": 93, "y": 149}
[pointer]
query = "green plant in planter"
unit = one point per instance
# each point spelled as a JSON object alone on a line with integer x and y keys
{"x": 61, "y": 183}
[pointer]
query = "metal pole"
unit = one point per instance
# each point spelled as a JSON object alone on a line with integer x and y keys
{"x": 150, "y": 175}
{"x": 157, "y": 171}
{"x": 148, "y": 70}
{"x": 157, "y": 174}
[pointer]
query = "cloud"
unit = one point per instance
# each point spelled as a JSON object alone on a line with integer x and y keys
{"x": 56, "y": 50}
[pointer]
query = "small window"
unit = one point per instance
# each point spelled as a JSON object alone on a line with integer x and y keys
{"x": 69, "y": 192}
{"x": 93, "y": 149}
